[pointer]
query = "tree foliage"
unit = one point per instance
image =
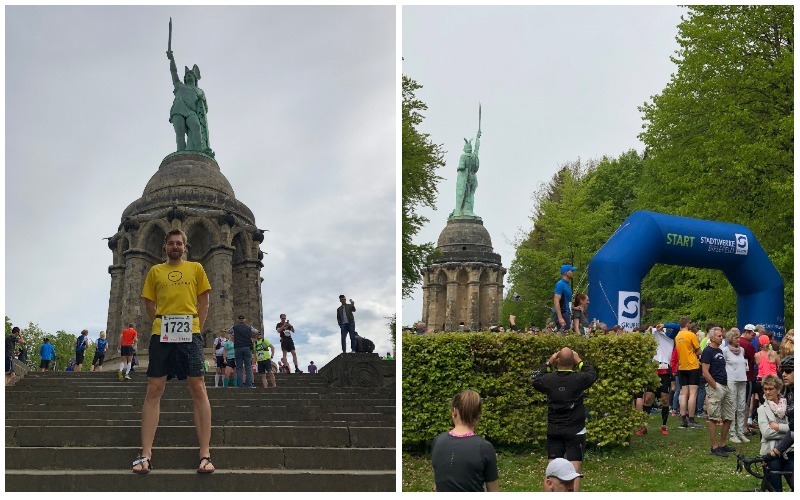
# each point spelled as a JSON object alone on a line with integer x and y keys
{"x": 63, "y": 342}
{"x": 719, "y": 146}
{"x": 421, "y": 158}
{"x": 391, "y": 323}
{"x": 573, "y": 215}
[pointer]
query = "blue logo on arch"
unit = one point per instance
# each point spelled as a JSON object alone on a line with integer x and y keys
{"x": 631, "y": 307}
{"x": 628, "y": 309}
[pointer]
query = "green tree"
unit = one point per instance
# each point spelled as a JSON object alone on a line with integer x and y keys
{"x": 392, "y": 324}
{"x": 573, "y": 216}
{"x": 421, "y": 158}
{"x": 720, "y": 145}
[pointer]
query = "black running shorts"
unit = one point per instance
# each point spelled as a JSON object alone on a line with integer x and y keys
{"x": 176, "y": 360}
{"x": 569, "y": 447}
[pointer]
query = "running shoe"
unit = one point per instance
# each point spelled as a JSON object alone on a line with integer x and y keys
{"x": 127, "y": 377}
{"x": 695, "y": 425}
{"x": 729, "y": 449}
{"x": 719, "y": 452}
{"x": 742, "y": 439}
{"x": 664, "y": 430}
{"x": 734, "y": 439}
{"x": 641, "y": 431}
{"x": 298, "y": 370}
{"x": 120, "y": 375}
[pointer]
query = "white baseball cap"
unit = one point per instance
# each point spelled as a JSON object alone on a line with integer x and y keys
{"x": 562, "y": 469}
{"x": 750, "y": 326}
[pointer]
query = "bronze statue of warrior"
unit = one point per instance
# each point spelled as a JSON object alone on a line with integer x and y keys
{"x": 189, "y": 110}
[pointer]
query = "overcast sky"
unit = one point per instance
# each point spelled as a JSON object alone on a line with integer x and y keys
{"x": 302, "y": 118}
{"x": 556, "y": 84}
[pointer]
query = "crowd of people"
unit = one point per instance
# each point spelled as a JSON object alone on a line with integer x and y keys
{"x": 747, "y": 379}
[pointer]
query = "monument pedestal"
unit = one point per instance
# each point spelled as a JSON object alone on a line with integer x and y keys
{"x": 464, "y": 284}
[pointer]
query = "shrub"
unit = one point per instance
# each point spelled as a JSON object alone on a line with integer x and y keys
{"x": 498, "y": 367}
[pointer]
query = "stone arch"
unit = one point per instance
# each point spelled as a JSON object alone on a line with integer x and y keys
{"x": 240, "y": 245}
{"x": 200, "y": 239}
{"x": 648, "y": 238}
{"x": 153, "y": 238}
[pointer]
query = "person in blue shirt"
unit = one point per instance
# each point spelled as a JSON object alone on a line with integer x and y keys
{"x": 81, "y": 343}
{"x": 48, "y": 353}
{"x": 99, "y": 353}
{"x": 562, "y": 299}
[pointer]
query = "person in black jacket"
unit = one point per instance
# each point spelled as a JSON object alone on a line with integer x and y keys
{"x": 564, "y": 378}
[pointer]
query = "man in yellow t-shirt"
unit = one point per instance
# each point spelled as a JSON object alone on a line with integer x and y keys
{"x": 176, "y": 295}
{"x": 688, "y": 348}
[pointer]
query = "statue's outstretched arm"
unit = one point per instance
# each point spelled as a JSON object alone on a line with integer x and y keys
{"x": 173, "y": 69}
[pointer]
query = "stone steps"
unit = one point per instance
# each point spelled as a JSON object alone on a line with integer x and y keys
{"x": 312, "y": 433}
{"x": 183, "y": 457}
{"x": 223, "y": 480}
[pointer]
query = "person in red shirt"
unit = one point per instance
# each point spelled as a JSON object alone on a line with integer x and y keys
{"x": 126, "y": 341}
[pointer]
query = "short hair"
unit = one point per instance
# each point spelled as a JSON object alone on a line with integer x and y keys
{"x": 130, "y": 325}
{"x": 579, "y": 298}
{"x": 712, "y": 329}
{"x": 684, "y": 322}
{"x": 733, "y": 332}
{"x": 341, "y": 296}
{"x": 102, "y": 335}
{"x": 173, "y": 232}
{"x": 772, "y": 381}
{"x": 468, "y": 404}
{"x": 15, "y": 329}
{"x": 84, "y": 331}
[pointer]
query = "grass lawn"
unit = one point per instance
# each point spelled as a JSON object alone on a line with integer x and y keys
{"x": 679, "y": 461}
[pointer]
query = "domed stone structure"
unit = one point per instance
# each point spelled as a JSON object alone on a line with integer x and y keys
{"x": 188, "y": 192}
{"x": 464, "y": 282}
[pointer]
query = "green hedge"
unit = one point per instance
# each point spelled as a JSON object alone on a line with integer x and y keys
{"x": 498, "y": 367}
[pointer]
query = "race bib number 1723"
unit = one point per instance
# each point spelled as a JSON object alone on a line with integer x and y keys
{"x": 176, "y": 328}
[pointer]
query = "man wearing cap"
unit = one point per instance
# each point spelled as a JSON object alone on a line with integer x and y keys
{"x": 560, "y": 476}
{"x": 243, "y": 347}
{"x": 562, "y": 299}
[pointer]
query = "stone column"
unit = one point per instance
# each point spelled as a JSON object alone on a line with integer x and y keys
{"x": 474, "y": 291}
{"x": 247, "y": 290}
{"x": 114, "y": 320}
{"x": 426, "y": 294}
{"x": 137, "y": 264}
{"x": 220, "y": 310}
{"x": 451, "y": 307}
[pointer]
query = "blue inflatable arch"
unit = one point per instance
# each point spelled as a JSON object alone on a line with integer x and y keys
{"x": 649, "y": 238}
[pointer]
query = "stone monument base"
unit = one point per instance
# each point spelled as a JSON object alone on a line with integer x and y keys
{"x": 359, "y": 370}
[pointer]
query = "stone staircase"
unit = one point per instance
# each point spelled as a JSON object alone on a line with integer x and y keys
{"x": 334, "y": 431}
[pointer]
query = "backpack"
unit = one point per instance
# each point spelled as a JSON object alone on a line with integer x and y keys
{"x": 364, "y": 345}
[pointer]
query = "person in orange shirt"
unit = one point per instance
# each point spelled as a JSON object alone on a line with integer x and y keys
{"x": 126, "y": 341}
{"x": 688, "y": 348}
